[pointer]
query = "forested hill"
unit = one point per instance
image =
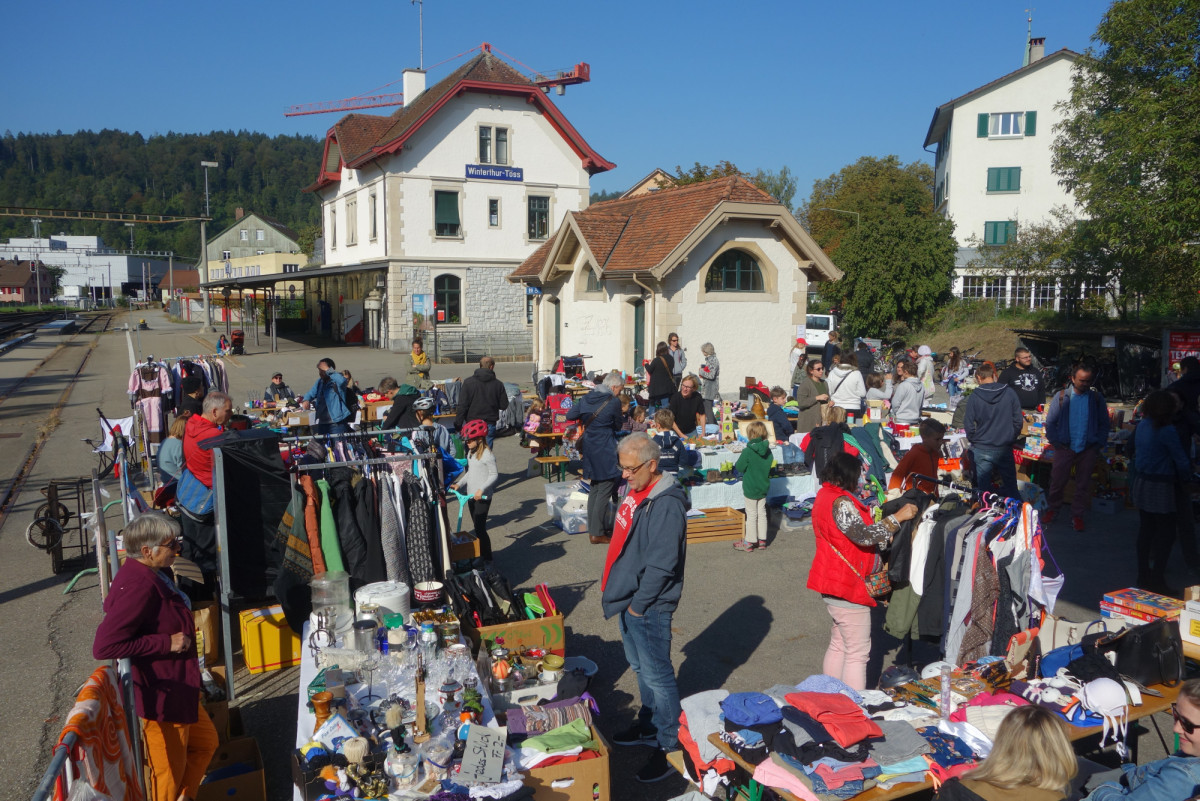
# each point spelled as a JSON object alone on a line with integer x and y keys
{"x": 127, "y": 172}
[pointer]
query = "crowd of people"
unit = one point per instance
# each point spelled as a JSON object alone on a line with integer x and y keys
{"x": 644, "y": 527}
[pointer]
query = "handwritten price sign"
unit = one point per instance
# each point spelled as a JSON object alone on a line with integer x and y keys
{"x": 483, "y": 758}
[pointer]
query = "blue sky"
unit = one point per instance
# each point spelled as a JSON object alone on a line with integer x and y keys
{"x": 810, "y": 85}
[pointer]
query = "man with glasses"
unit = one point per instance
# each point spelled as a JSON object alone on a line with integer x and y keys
{"x": 688, "y": 408}
{"x": 1077, "y": 427}
{"x": 1025, "y": 379}
{"x": 641, "y": 585}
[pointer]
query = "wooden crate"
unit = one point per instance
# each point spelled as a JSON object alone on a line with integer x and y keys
{"x": 717, "y": 525}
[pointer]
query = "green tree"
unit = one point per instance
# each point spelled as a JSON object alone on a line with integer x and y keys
{"x": 307, "y": 237}
{"x": 1129, "y": 148}
{"x": 875, "y": 220}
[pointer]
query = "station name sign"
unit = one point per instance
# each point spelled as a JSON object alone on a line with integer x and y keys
{"x": 491, "y": 173}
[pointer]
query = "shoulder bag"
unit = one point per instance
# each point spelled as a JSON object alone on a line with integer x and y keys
{"x": 575, "y": 433}
{"x": 1150, "y": 654}
{"x": 877, "y": 582}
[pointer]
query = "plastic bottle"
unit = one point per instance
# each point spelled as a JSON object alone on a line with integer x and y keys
{"x": 429, "y": 643}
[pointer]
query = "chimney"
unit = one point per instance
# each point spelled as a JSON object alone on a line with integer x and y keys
{"x": 238, "y": 213}
{"x": 1037, "y": 48}
{"x": 414, "y": 85}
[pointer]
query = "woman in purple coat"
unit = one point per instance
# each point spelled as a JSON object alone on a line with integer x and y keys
{"x": 148, "y": 619}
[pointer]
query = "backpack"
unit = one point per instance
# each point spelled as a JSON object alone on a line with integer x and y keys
{"x": 350, "y": 398}
{"x": 824, "y": 443}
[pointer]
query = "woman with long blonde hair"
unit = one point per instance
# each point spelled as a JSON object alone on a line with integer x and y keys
{"x": 1031, "y": 760}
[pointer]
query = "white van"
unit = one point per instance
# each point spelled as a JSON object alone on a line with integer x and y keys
{"x": 817, "y": 329}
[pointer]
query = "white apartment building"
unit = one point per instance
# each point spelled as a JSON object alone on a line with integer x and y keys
{"x": 446, "y": 197}
{"x": 993, "y": 168}
{"x": 90, "y": 268}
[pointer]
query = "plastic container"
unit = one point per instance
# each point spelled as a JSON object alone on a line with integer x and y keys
{"x": 391, "y": 597}
{"x": 573, "y": 522}
{"x": 557, "y": 495}
{"x": 331, "y": 589}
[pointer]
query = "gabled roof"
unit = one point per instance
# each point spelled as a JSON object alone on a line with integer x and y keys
{"x": 653, "y": 232}
{"x": 941, "y": 115}
{"x": 16, "y": 273}
{"x": 656, "y": 180}
{"x": 270, "y": 221}
{"x": 358, "y": 138}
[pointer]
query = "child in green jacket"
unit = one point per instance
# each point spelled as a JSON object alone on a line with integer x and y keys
{"x": 755, "y": 466}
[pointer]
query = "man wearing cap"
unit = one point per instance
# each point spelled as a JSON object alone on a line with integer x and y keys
{"x": 277, "y": 390}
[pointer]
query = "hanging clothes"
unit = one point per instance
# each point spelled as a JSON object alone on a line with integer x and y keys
{"x": 353, "y": 546}
{"x": 150, "y": 390}
{"x": 312, "y": 521}
{"x": 330, "y": 546}
{"x": 366, "y": 513}
{"x": 420, "y": 531}
{"x": 391, "y": 531}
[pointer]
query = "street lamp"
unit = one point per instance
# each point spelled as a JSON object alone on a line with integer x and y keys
{"x": 857, "y": 216}
{"x": 130, "y": 227}
{"x": 37, "y": 239}
{"x": 207, "y": 328}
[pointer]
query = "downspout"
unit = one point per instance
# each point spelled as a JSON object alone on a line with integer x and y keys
{"x": 385, "y": 333}
{"x": 650, "y": 322}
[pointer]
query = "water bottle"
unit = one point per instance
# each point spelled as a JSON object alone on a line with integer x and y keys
{"x": 429, "y": 643}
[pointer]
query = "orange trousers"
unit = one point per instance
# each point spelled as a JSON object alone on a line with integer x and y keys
{"x": 177, "y": 756}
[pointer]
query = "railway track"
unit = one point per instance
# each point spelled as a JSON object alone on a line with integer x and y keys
{"x": 96, "y": 325}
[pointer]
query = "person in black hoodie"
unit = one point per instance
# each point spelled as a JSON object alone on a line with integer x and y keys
{"x": 482, "y": 397}
{"x": 993, "y": 423}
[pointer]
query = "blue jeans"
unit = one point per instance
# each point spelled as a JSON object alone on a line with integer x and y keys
{"x": 992, "y": 463}
{"x": 491, "y": 434}
{"x": 647, "y": 641}
{"x": 331, "y": 428}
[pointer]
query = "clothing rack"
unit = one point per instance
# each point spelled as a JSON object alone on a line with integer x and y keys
{"x": 361, "y": 434}
{"x": 395, "y": 457}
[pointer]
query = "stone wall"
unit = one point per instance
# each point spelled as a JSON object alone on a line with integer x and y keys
{"x": 491, "y": 304}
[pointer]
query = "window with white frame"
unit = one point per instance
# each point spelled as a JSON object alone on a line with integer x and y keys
{"x": 494, "y": 212}
{"x": 1043, "y": 293}
{"x": 226, "y": 255}
{"x": 485, "y": 144}
{"x": 244, "y": 235}
{"x": 982, "y": 287}
{"x": 1007, "y": 123}
{"x": 446, "y": 221}
{"x": 351, "y": 222}
{"x": 332, "y": 227}
{"x": 529, "y": 309}
{"x": 501, "y": 145}
{"x": 260, "y": 235}
{"x": 371, "y": 209}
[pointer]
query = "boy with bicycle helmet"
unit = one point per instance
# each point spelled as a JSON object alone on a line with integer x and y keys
{"x": 478, "y": 481}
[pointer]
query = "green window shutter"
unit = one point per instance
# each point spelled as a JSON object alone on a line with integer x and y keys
{"x": 446, "y": 208}
{"x": 1014, "y": 179}
{"x": 1030, "y": 123}
{"x": 993, "y": 181}
{"x": 981, "y": 126}
{"x": 1010, "y": 232}
{"x": 989, "y": 233}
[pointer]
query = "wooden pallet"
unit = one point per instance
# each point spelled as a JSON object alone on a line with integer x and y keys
{"x": 717, "y": 525}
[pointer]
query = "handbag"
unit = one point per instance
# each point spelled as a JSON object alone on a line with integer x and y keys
{"x": 193, "y": 496}
{"x": 877, "y": 582}
{"x": 1055, "y": 632}
{"x": 1151, "y": 653}
{"x": 575, "y": 433}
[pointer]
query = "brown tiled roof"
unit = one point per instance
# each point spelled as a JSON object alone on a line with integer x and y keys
{"x": 484, "y": 67}
{"x": 357, "y": 133}
{"x": 278, "y": 226}
{"x": 533, "y": 265}
{"x": 15, "y": 273}
{"x": 637, "y": 233}
{"x": 183, "y": 278}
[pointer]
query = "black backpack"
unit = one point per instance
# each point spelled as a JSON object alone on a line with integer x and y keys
{"x": 824, "y": 443}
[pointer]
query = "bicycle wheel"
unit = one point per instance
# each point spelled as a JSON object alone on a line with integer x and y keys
{"x": 44, "y": 533}
{"x": 63, "y": 515}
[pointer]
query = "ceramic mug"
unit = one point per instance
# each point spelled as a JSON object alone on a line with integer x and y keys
{"x": 546, "y": 676}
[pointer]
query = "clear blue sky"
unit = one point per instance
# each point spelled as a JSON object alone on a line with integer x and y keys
{"x": 810, "y": 85}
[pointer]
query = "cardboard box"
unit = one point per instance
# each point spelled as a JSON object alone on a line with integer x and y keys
{"x": 235, "y": 773}
{"x": 267, "y": 641}
{"x": 378, "y": 410}
{"x": 218, "y": 713}
{"x": 587, "y": 780}
{"x": 544, "y": 631}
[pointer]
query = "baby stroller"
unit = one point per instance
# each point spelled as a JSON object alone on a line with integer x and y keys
{"x": 238, "y": 343}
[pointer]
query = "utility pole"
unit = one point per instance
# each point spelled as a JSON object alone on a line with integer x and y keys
{"x": 420, "y": 4}
{"x": 207, "y": 328}
{"x": 37, "y": 241}
{"x": 171, "y": 279}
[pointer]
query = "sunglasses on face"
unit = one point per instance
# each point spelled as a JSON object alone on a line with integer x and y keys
{"x": 1185, "y": 724}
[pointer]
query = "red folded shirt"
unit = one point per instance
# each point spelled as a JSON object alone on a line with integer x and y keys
{"x": 565, "y": 758}
{"x": 842, "y": 718}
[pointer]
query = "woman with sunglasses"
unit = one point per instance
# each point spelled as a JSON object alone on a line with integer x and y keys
{"x": 1177, "y": 776}
{"x": 149, "y": 619}
{"x": 812, "y": 394}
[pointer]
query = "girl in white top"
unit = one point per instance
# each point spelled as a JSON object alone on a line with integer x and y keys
{"x": 847, "y": 390}
{"x": 478, "y": 481}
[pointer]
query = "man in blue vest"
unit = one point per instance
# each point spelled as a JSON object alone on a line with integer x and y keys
{"x": 1077, "y": 427}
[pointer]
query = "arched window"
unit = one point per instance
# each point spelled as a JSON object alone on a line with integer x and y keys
{"x": 734, "y": 271}
{"x": 593, "y": 280}
{"x": 447, "y": 292}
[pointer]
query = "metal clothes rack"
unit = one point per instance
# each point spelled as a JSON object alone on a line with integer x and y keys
{"x": 356, "y": 434}
{"x": 221, "y": 526}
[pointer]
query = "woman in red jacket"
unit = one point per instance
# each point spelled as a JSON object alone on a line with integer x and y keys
{"x": 148, "y": 619}
{"x": 848, "y": 545}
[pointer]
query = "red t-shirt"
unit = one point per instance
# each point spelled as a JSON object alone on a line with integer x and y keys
{"x": 621, "y": 527}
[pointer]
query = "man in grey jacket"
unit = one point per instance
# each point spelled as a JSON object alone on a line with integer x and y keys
{"x": 993, "y": 423}
{"x": 642, "y": 584}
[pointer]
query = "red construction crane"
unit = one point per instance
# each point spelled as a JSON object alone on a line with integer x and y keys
{"x": 582, "y": 73}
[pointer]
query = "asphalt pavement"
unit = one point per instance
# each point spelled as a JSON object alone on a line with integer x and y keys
{"x": 746, "y": 621}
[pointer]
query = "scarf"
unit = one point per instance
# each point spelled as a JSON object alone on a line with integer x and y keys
{"x": 420, "y": 358}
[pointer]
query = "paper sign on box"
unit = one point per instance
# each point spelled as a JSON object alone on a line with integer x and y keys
{"x": 483, "y": 757}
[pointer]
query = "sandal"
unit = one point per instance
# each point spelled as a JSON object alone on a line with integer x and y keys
{"x": 742, "y": 545}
